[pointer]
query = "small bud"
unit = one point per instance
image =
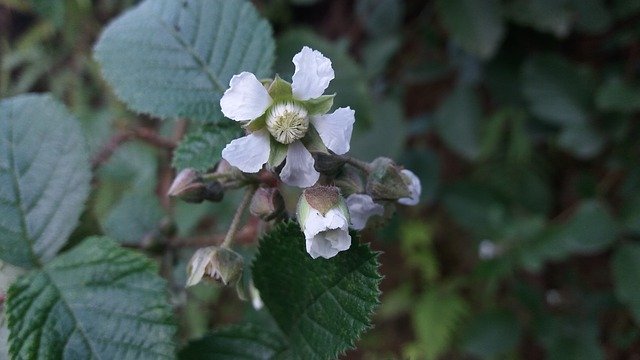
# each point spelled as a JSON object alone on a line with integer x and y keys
{"x": 189, "y": 186}
{"x": 324, "y": 220}
{"x": 414, "y": 186}
{"x": 349, "y": 181}
{"x": 385, "y": 181}
{"x": 220, "y": 264}
{"x": 327, "y": 163}
{"x": 267, "y": 203}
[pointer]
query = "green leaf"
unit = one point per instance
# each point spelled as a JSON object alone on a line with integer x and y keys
{"x": 380, "y": 17}
{"x": 202, "y": 149}
{"x": 235, "y": 342}
{"x": 321, "y": 305}
{"x": 590, "y": 229}
{"x": 388, "y": 127}
{"x": 174, "y": 59}
{"x": 349, "y": 85}
{"x": 583, "y": 141}
{"x": 476, "y": 25}
{"x": 616, "y": 95}
{"x": 97, "y": 301}
{"x": 458, "y": 122}
{"x": 552, "y": 16}
{"x": 557, "y": 91}
{"x": 134, "y": 218}
{"x": 626, "y": 272}
{"x": 44, "y": 178}
{"x": 491, "y": 334}
{"x": 436, "y": 317}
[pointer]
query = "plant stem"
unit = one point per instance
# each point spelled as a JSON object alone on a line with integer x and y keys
{"x": 216, "y": 176}
{"x": 233, "y": 228}
{"x": 363, "y": 166}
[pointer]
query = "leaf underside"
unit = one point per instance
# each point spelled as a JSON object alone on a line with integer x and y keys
{"x": 97, "y": 301}
{"x": 202, "y": 149}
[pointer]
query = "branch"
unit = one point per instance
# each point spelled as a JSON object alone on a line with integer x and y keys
{"x": 144, "y": 134}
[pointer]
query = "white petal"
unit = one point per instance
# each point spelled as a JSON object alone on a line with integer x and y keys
{"x": 415, "y": 188}
{"x": 312, "y": 76}
{"x": 361, "y": 207}
{"x": 298, "y": 170}
{"x": 250, "y": 152}
{"x": 335, "y": 129}
{"x": 316, "y": 223}
{"x": 198, "y": 265}
{"x": 328, "y": 244}
{"x": 245, "y": 99}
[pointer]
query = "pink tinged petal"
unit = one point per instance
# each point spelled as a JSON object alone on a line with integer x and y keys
{"x": 312, "y": 76}
{"x": 361, "y": 208}
{"x": 329, "y": 243}
{"x": 246, "y": 98}
{"x": 335, "y": 129}
{"x": 415, "y": 189}
{"x": 248, "y": 153}
{"x": 298, "y": 170}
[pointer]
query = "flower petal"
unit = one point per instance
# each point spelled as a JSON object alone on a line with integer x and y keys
{"x": 415, "y": 188}
{"x": 361, "y": 207}
{"x": 316, "y": 223}
{"x": 312, "y": 76}
{"x": 250, "y": 152}
{"x": 335, "y": 129}
{"x": 329, "y": 243}
{"x": 298, "y": 170}
{"x": 245, "y": 99}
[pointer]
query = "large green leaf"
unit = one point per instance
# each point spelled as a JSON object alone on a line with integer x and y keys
{"x": 235, "y": 342}
{"x": 202, "y": 149}
{"x": 458, "y": 122}
{"x": 626, "y": 272}
{"x": 174, "y": 59}
{"x": 321, "y": 305}
{"x": 97, "y": 301}
{"x": 44, "y": 178}
{"x": 476, "y": 25}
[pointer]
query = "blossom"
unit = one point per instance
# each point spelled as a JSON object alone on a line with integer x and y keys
{"x": 280, "y": 116}
{"x": 414, "y": 186}
{"x": 361, "y": 208}
{"x": 324, "y": 220}
{"x": 216, "y": 263}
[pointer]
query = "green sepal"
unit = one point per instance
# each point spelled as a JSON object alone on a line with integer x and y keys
{"x": 278, "y": 153}
{"x": 319, "y": 106}
{"x": 257, "y": 124}
{"x": 313, "y": 142}
{"x": 280, "y": 90}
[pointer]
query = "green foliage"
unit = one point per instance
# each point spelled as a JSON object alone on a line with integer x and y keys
{"x": 96, "y": 301}
{"x": 235, "y": 342}
{"x": 201, "y": 149}
{"x": 626, "y": 272}
{"x": 322, "y": 306}
{"x": 458, "y": 122}
{"x": 174, "y": 59}
{"x": 615, "y": 95}
{"x": 44, "y": 178}
{"x": 135, "y": 217}
{"x": 491, "y": 334}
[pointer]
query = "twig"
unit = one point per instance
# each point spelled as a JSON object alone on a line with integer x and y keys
{"x": 1, "y": 299}
{"x": 144, "y": 134}
{"x": 233, "y": 228}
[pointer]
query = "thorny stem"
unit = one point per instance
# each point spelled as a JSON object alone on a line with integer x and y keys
{"x": 233, "y": 228}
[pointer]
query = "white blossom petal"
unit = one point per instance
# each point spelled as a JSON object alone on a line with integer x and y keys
{"x": 335, "y": 129}
{"x": 361, "y": 208}
{"x": 328, "y": 243}
{"x": 250, "y": 152}
{"x": 298, "y": 170}
{"x": 313, "y": 74}
{"x": 245, "y": 99}
{"x": 198, "y": 264}
{"x": 415, "y": 188}
{"x": 316, "y": 222}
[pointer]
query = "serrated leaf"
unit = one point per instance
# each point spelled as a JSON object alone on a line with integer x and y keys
{"x": 321, "y": 305}
{"x": 458, "y": 122}
{"x": 476, "y": 25}
{"x": 626, "y": 272}
{"x": 557, "y": 91}
{"x": 97, "y": 301}
{"x": 202, "y": 149}
{"x": 44, "y": 178}
{"x": 235, "y": 342}
{"x": 174, "y": 59}
{"x": 136, "y": 216}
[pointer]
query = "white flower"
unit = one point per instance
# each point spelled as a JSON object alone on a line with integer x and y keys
{"x": 281, "y": 114}
{"x": 415, "y": 188}
{"x": 324, "y": 220}
{"x": 216, "y": 263}
{"x": 361, "y": 208}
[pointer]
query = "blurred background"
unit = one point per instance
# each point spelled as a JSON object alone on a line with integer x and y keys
{"x": 519, "y": 116}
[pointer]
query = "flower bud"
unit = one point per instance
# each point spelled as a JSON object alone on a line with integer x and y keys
{"x": 349, "y": 181}
{"x": 267, "y": 203}
{"x": 414, "y": 186}
{"x": 385, "y": 181}
{"x": 217, "y": 263}
{"x": 324, "y": 220}
{"x": 327, "y": 163}
{"x": 189, "y": 186}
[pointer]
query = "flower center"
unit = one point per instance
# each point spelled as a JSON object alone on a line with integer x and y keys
{"x": 287, "y": 122}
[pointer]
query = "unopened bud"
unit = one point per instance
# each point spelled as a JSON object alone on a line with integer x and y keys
{"x": 349, "y": 181}
{"x": 326, "y": 163}
{"x": 217, "y": 263}
{"x": 385, "y": 181}
{"x": 267, "y": 203}
{"x": 189, "y": 186}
